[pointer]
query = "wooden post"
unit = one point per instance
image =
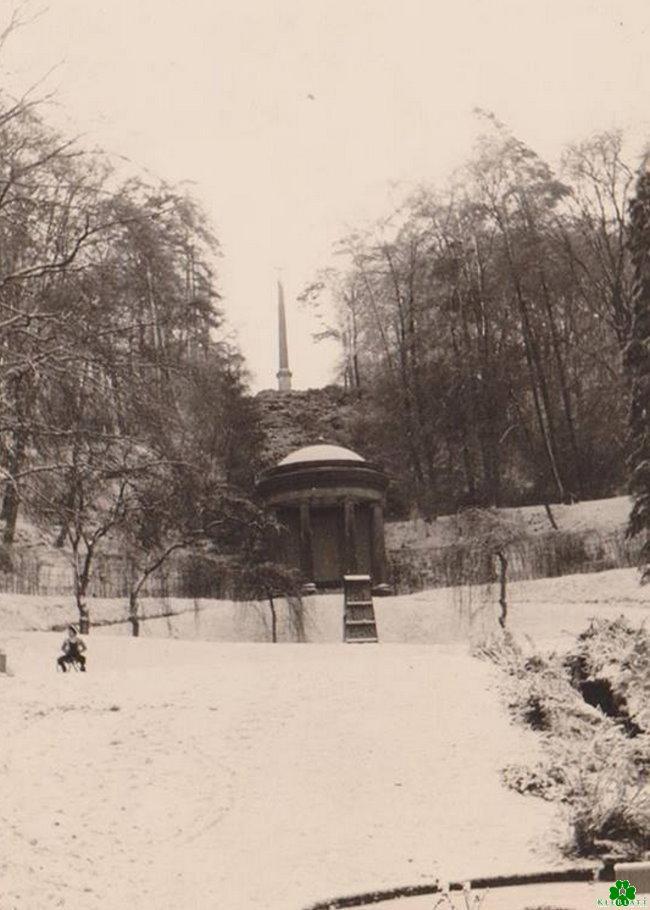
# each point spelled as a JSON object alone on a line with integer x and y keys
{"x": 378, "y": 550}
{"x": 306, "y": 543}
{"x": 350, "y": 542}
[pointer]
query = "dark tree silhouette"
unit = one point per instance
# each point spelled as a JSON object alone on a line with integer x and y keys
{"x": 637, "y": 361}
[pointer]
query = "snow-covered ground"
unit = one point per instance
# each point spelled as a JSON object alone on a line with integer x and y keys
{"x": 605, "y": 515}
{"x": 199, "y": 775}
{"x": 194, "y": 775}
{"x": 549, "y": 610}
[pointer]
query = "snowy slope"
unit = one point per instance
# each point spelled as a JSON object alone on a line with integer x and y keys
{"x": 606, "y": 515}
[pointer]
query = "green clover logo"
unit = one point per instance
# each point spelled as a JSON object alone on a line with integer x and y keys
{"x": 622, "y": 893}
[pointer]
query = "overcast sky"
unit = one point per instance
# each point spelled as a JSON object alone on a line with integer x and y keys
{"x": 218, "y": 93}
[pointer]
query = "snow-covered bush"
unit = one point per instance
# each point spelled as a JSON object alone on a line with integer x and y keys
{"x": 591, "y": 708}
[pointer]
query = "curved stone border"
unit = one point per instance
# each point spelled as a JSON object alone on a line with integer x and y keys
{"x": 375, "y": 897}
{"x": 580, "y": 874}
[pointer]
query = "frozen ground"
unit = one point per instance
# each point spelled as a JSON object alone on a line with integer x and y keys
{"x": 199, "y": 775}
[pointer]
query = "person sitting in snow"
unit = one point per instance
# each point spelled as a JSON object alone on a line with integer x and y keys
{"x": 72, "y": 651}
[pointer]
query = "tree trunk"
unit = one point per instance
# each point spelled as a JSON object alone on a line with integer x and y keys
{"x": 274, "y": 619}
{"x": 10, "y": 506}
{"x": 84, "y": 615}
{"x": 469, "y": 469}
{"x": 564, "y": 388}
{"x": 550, "y": 515}
{"x": 538, "y": 385}
{"x": 541, "y": 400}
{"x": 503, "y": 573}
{"x": 491, "y": 466}
{"x": 11, "y": 499}
{"x": 81, "y": 579}
{"x": 531, "y": 449}
{"x": 466, "y": 413}
{"x": 354, "y": 350}
{"x": 133, "y": 614}
{"x": 488, "y": 406}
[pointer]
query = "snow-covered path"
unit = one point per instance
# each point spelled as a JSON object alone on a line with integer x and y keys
{"x": 194, "y": 776}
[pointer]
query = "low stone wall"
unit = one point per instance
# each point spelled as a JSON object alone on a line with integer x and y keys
{"x": 546, "y": 610}
{"x": 321, "y": 618}
{"x": 437, "y": 617}
{"x": 236, "y": 621}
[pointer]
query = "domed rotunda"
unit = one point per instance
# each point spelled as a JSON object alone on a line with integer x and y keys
{"x": 331, "y": 501}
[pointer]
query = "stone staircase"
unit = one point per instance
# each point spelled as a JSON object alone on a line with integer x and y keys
{"x": 359, "y": 624}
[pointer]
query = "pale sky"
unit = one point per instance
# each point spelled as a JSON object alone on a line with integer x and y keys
{"x": 217, "y": 93}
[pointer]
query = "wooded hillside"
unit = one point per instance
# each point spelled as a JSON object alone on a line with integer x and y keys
{"x": 484, "y": 325}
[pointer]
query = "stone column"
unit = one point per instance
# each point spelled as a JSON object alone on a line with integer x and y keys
{"x": 306, "y": 545}
{"x": 349, "y": 540}
{"x": 378, "y": 546}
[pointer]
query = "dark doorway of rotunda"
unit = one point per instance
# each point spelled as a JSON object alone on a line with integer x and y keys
{"x": 328, "y": 554}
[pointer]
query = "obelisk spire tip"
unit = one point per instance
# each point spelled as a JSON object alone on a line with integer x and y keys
{"x": 284, "y": 373}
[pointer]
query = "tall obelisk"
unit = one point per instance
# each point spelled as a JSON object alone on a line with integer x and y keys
{"x": 284, "y": 373}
